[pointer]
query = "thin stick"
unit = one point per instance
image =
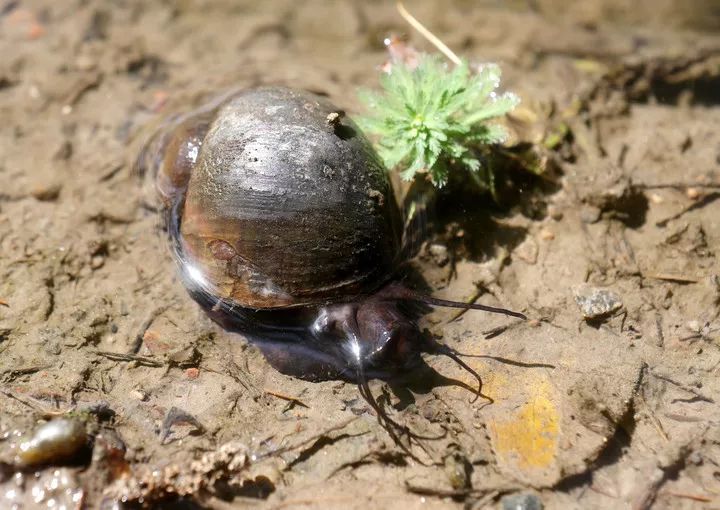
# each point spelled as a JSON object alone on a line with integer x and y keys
{"x": 427, "y": 34}
{"x": 288, "y": 398}
{"x": 670, "y": 277}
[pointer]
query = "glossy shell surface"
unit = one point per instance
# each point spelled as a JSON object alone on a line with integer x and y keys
{"x": 275, "y": 199}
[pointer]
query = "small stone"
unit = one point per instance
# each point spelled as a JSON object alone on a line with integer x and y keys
{"x": 521, "y": 502}
{"x": 154, "y": 343}
{"x": 333, "y": 118}
{"x": 692, "y": 193}
{"x": 183, "y": 355}
{"x": 97, "y": 262}
{"x": 46, "y": 192}
{"x": 555, "y": 213}
{"x": 693, "y": 326}
{"x": 590, "y": 214}
{"x": 595, "y": 302}
{"x": 547, "y": 234}
{"x": 139, "y": 395}
{"x": 439, "y": 254}
{"x": 656, "y": 199}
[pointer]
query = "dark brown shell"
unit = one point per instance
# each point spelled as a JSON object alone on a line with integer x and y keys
{"x": 286, "y": 204}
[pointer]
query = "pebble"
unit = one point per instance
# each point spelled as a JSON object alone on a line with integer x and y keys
{"x": 46, "y": 192}
{"x": 139, "y": 395}
{"x": 439, "y": 254}
{"x": 555, "y": 213}
{"x": 547, "y": 234}
{"x": 590, "y": 214}
{"x": 521, "y": 502}
{"x": 97, "y": 261}
{"x": 693, "y": 326}
{"x": 595, "y": 302}
{"x": 656, "y": 199}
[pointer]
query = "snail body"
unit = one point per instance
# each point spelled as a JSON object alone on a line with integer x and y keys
{"x": 285, "y": 227}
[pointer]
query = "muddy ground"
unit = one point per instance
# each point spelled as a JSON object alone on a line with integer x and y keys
{"x": 621, "y": 99}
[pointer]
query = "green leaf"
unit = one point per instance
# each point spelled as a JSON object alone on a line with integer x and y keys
{"x": 434, "y": 118}
{"x": 495, "y": 107}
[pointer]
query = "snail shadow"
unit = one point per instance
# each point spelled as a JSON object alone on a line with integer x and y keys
{"x": 292, "y": 345}
{"x": 423, "y": 380}
{"x": 470, "y": 219}
{"x": 306, "y": 361}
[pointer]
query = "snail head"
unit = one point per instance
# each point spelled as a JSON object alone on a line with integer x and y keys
{"x": 378, "y": 336}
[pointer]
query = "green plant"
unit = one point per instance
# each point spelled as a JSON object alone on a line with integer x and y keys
{"x": 433, "y": 119}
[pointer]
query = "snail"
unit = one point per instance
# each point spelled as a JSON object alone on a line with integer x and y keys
{"x": 55, "y": 442}
{"x": 285, "y": 227}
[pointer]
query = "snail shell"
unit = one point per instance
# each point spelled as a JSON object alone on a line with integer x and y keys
{"x": 274, "y": 199}
{"x": 54, "y": 442}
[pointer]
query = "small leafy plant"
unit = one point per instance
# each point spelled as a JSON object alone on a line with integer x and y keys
{"x": 433, "y": 119}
